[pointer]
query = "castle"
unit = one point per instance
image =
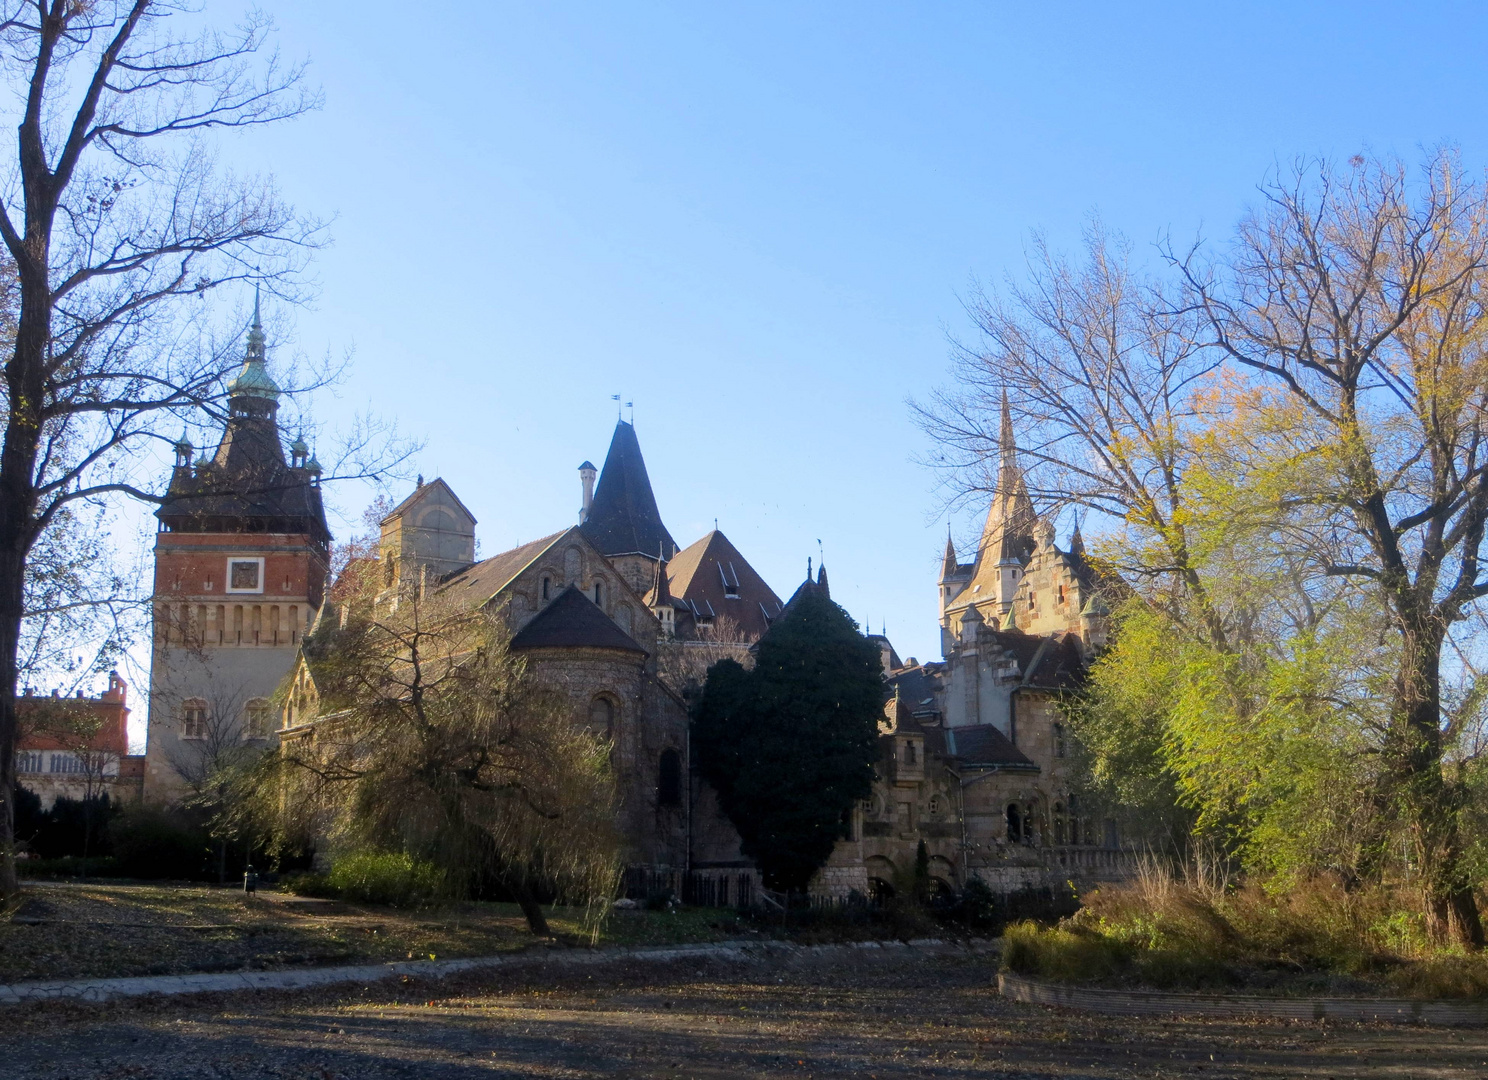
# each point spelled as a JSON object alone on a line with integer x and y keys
{"x": 612, "y": 612}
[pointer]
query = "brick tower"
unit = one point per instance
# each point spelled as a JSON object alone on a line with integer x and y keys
{"x": 240, "y": 568}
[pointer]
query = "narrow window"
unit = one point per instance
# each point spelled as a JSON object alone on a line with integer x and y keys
{"x": 602, "y": 717}
{"x": 238, "y": 622}
{"x": 221, "y": 624}
{"x": 294, "y": 623}
{"x": 1014, "y": 824}
{"x": 256, "y": 718}
{"x": 546, "y": 585}
{"x": 669, "y": 778}
{"x": 194, "y": 719}
{"x": 1059, "y": 743}
{"x": 598, "y": 595}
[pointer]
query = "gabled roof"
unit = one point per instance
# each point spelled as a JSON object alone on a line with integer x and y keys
{"x": 489, "y": 576}
{"x": 572, "y": 621}
{"x": 419, "y": 492}
{"x": 712, "y": 576}
{"x": 623, "y": 519}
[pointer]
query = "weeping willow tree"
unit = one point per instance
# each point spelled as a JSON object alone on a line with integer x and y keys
{"x": 428, "y": 737}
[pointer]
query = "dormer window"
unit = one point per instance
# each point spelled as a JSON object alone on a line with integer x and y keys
{"x": 730, "y": 578}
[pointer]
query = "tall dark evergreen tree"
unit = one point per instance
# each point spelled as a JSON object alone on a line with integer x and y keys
{"x": 790, "y": 745}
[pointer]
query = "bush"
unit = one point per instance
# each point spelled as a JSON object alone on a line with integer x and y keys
{"x": 69, "y": 866}
{"x": 155, "y": 842}
{"x": 396, "y": 880}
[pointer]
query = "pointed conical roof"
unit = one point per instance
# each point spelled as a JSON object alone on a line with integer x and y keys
{"x": 948, "y": 563}
{"x": 659, "y": 595}
{"x": 623, "y": 519}
{"x": 572, "y": 621}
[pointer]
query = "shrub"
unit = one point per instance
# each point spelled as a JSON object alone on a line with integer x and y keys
{"x": 157, "y": 842}
{"x": 309, "y": 883}
{"x": 397, "y": 880}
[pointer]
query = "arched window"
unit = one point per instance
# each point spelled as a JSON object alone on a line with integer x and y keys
{"x": 1059, "y": 743}
{"x": 669, "y": 778}
{"x": 1014, "y": 824}
{"x": 602, "y": 717}
{"x": 1059, "y": 823}
{"x": 1074, "y": 819}
{"x": 387, "y": 569}
{"x": 194, "y": 719}
{"x": 547, "y": 584}
{"x": 599, "y": 594}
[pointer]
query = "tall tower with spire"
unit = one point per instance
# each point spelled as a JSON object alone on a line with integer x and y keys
{"x": 241, "y": 554}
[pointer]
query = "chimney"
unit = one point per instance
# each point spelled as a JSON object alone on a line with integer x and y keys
{"x": 587, "y": 473}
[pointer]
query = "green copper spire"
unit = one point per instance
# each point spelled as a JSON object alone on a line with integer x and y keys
{"x": 253, "y": 380}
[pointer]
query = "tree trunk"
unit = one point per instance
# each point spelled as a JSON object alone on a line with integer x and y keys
{"x": 1431, "y": 804}
{"x": 536, "y": 922}
{"x": 12, "y": 578}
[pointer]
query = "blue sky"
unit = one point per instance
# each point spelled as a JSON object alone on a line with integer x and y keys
{"x": 757, "y": 222}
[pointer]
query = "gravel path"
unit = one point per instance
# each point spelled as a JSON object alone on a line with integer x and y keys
{"x": 892, "y": 1016}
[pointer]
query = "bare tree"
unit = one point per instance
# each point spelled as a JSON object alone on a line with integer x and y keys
{"x": 1097, "y": 374}
{"x": 120, "y": 225}
{"x": 683, "y": 663}
{"x": 226, "y": 731}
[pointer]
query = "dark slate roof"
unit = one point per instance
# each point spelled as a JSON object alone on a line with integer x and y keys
{"x": 573, "y": 621}
{"x": 245, "y": 486}
{"x": 809, "y": 587}
{"x": 1045, "y": 661}
{"x": 485, "y": 579}
{"x": 623, "y": 519}
{"x": 983, "y": 744}
{"x": 711, "y": 576}
{"x": 916, "y": 689}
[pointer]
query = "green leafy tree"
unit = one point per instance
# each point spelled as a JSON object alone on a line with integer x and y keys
{"x": 790, "y": 745}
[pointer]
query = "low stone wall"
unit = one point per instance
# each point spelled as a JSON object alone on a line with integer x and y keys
{"x": 839, "y": 882}
{"x": 1466, "y": 1013}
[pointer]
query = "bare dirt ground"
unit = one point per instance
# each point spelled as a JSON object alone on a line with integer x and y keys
{"x": 875, "y": 1018}
{"x": 64, "y": 931}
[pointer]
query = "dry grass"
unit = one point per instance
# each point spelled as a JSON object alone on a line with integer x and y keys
{"x": 1315, "y": 937}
